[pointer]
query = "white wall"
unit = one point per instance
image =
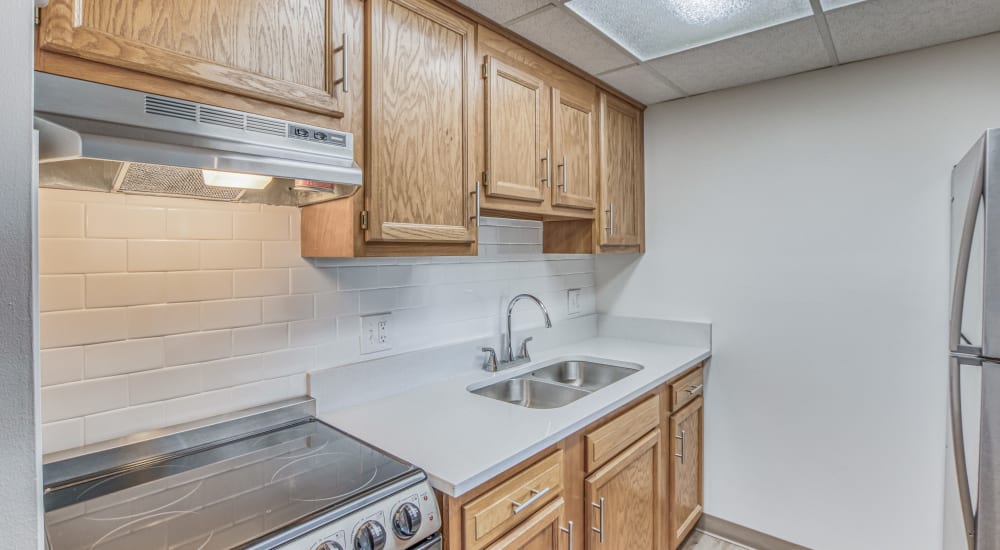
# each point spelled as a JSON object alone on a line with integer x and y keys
{"x": 807, "y": 219}
{"x": 20, "y": 517}
{"x": 157, "y": 311}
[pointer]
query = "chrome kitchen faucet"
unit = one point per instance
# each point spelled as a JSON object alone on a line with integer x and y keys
{"x": 491, "y": 364}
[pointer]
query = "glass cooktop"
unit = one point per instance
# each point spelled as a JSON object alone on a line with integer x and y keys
{"x": 220, "y": 497}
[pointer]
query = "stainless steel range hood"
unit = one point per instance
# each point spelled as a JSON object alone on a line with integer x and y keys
{"x": 103, "y": 138}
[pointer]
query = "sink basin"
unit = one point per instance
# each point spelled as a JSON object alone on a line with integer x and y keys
{"x": 534, "y": 394}
{"x": 585, "y": 375}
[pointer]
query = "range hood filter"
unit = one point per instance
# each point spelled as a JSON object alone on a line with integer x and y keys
{"x": 154, "y": 179}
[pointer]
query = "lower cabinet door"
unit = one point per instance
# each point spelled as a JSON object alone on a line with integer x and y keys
{"x": 685, "y": 470}
{"x": 625, "y": 499}
{"x": 539, "y": 532}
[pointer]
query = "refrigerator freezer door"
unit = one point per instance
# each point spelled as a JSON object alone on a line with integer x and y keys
{"x": 988, "y": 513}
{"x": 975, "y": 250}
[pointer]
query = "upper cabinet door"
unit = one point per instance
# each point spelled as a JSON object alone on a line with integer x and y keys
{"x": 622, "y": 198}
{"x": 420, "y": 181}
{"x": 288, "y": 52}
{"x": 574, "y": 173}
{"x": 515, "y": 156}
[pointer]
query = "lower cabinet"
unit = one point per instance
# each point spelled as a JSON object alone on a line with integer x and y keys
{"x": 686, "y": 470}
{"x": 542, "y": 531}
{"x": 625, "y": 497}
{"x": 630, "y": 481}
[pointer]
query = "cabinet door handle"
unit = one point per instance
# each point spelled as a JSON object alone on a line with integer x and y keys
{"x": 477, "y": 204}
{"x": 344, "y": 57}
{"x": 611, "y": 220}
{"x": 695, "y": 389}
{"x": 600, "y": 521}
{"x": 563, "y": 166}
{"x": 569, "y": 531}
{"x": 681, "y": 438}
{"x": 548, "y": 168}
{"x": 535, "y": 495}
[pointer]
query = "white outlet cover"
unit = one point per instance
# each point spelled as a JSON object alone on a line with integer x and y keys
{"x": 375, "y": 333}
{"x": 573, "y": 301}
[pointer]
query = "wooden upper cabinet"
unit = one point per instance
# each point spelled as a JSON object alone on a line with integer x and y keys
{"x": 286, "y": 52}
{"x": 624, "y": 499}
{"x": 574, "y": 147}
{"x": 686, "y": 470}
{"x": 621, "y": 222}
{"x": 420, "y": 180}
{"x": 516, "y": 157}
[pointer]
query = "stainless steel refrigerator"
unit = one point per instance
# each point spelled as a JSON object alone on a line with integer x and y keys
{"x": 973, "y": 486}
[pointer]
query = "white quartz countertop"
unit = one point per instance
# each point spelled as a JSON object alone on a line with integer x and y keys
{"x": 462, "y": 440}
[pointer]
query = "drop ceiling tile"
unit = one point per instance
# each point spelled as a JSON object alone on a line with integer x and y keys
{"x": 640, "y": 83}
{"x": 563, "y": 34}
{"x": 770, "y": 53}
{"x": 506, "y": 10}
{"x": 882, "y": 27}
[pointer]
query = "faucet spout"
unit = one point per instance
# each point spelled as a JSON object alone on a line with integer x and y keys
{"x": 510, "y": 310}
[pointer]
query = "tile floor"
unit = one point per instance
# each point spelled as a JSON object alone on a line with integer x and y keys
{"x": 703, "y": 541}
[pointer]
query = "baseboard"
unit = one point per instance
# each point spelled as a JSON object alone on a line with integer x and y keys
{"x": 744, "y": 535}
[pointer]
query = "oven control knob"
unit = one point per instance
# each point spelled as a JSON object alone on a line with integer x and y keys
{"x": 406, "y": 520}
{"x": 370, "y": 536}
{"x": 329, "y": 545}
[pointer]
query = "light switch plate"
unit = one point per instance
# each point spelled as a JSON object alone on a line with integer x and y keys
{"x": 573, "y": 301}
{"x": 376, "y": 332}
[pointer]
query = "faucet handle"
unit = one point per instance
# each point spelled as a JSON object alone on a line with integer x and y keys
{"x": 523, "y": 353}
{"x": 490, "y": 363}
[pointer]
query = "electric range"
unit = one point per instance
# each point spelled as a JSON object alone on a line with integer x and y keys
{"x": 297, "y": 485}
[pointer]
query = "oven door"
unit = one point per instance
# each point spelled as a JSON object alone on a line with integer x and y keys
{"x": 433, "y": 542}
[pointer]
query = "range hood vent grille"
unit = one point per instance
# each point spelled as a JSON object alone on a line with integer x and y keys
{"x": 171, "y": 107}
{"x": 153, "y": 179}
{"x": 216, "y": 116}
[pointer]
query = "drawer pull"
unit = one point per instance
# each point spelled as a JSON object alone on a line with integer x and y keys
{"x": 600, "y": 521}
{"x": 535, "y": 495}
{"x": 681, "y": 437}
{"x": 694, "y": 390}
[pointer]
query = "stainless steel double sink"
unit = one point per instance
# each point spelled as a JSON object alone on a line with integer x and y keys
{"x": 557, "y": 384}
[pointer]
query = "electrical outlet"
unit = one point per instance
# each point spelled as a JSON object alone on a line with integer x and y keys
{"x": 573, "y": 301}
{"x": 375, "y": 333}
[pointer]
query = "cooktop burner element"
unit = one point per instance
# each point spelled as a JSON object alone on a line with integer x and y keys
{"x": 245, "y": 493}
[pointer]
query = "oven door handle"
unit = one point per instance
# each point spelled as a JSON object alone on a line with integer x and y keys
{"x": 433, "y": 542}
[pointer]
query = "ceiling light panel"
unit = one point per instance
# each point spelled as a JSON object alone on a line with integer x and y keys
{"x": 834, "y": 4}
{"x": 654, "y": 28}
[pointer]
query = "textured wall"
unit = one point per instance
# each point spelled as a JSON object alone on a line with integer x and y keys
{"x": 157, "y": 311}
{"x": 807, "y": 219}
{"x": 20, "y": 516}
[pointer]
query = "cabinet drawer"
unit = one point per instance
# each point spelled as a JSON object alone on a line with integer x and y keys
{"x": 686, "y": 389}
{"x": 512, "y": 502}
{"x": 607, "y": 441}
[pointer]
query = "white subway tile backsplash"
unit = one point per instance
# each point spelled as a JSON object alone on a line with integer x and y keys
{"x": 159, "y": 311}
{"x": 60, "y": 219}
{"x": 296, "y": 307}
{"x": 125, "y": 289}
{"x": 259, "y": 339}
{"x": 61, "y": 329}
{"x": 163, "y": 319}
{"x": 120, "y": 221}
{"x": 60, "y": 292}
{"x": 267, "y": 225}
{"x": 196, "y": 286}
{"x": 189, "y": 223}
{"x": 230, "y": 313}
{"x": 197, "y": 347}
{"x": 165, "y": 383}
{"x": 260, "y": 282}
{"x": 82, "y": 398}
{"x": 59, "y": 436}
{"x": 62, "y": 365}
{"x": 230, "y": 254}
{"x": 56, "y": 256}
{"x": 123, "y": 357}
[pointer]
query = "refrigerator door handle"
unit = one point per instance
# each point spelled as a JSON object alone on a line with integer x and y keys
{"x": 958, "y": 447}
{"x": 964, "y": 254}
